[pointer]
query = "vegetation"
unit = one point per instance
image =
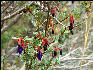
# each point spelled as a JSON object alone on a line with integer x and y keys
{"x": 46, "y": 35}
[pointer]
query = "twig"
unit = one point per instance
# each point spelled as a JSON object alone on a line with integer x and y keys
{"x": 72, "y": 67}
{"x": 12, "y": 15}
{"x": 47, "y": 19}
{"x": 57, "y": 21}
{"x": 76, "y": 59}
{"x": 69, "y": 53}
{"x": 15, "y": 13}
{"x": 85, "y": 41}
{"x": 5, "y": 28}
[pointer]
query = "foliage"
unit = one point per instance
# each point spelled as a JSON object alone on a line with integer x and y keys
{"x": 29, "y": 23}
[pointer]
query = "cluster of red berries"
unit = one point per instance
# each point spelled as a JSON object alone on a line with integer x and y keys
{"x": 45, "y": 43}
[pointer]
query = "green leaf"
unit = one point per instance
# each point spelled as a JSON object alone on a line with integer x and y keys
{"x": 33, "y": 61}
{"x": 87, "y": 8}
{"x": 85, "y": 3}
{"x": 45, "y": 61}
{"x": 48, "y": 54}
{"x": 39, "y": 69}
{"x": 57, "y": 60}
{"x": 78, "y": 22}
{"x": 19, "y": 3}
{"x": 42, "y": 64}
{"x": 27, "y": 6}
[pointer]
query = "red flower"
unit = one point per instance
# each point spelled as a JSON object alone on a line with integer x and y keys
{"x": 20, "y": 48}
{"x": 19, "y": 41}
{"x": 23, "y": 44}
{"x": 53, "y": 11}
{"x": 59, "y": 49}
{"x": 55, "y": 49}
{"x": 45, "y": 41}
{"x": 56, "y": 7}
{"x": 71, "y": 18}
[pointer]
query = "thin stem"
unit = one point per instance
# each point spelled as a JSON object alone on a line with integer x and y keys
{"x": 46, "y": 28}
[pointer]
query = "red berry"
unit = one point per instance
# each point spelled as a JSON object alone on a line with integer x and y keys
{"x": 56, "y": 7}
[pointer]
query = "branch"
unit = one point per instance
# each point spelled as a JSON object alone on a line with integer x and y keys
{"x": 73, "y": 67}
{"x": 69, "y": 53}
{"x": 5, "y": 28}
{"x": 57, "y": 21}
{"x": 15, "y": 13}
{"x": 12, "y": 15}
{"x": 10, "y": 52}
{"x": 76, "y": 59}
{"x": 46, "y": 28}
{"x": 41, "y": 9}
